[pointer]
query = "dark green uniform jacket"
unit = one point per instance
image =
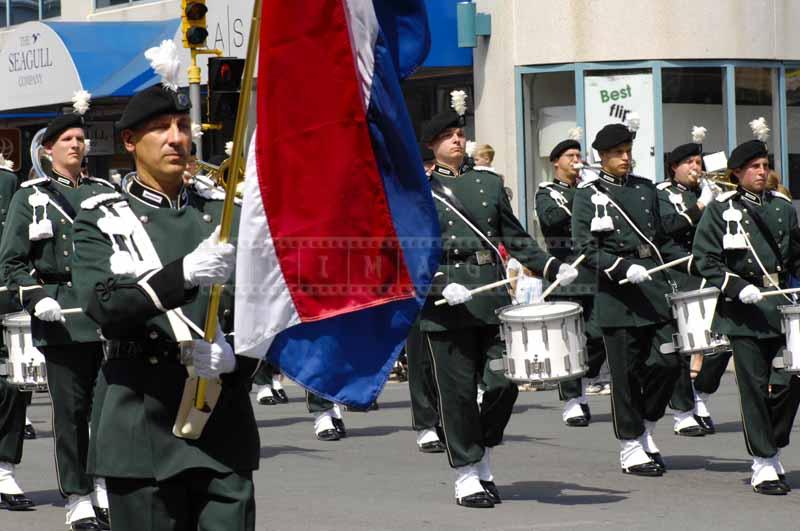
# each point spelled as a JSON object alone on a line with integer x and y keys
{"x": 611, "y": 252}
{"x": 554, "y": 209}
{"x": 680, "y": 215}
{"x": 140, "y": 394}
{"x": 36, "y": 258}
{"x": 733, "y": 269}
{"x": 9, "y": 301}
{"x": 482, "y": 195}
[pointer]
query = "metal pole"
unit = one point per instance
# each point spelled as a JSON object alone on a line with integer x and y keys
{"x": 194, "y": 97}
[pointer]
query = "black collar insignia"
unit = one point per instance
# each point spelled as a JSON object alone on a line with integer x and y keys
{"x": 62, "y": 180}
{"x": 445, "y": 170}
{"x": 750, "y": 196}
{"x": 680, "y": 187}
{"x": 610, "y": 179}
{"x": 152, "y": 197}
{"x": 561, "y": 183}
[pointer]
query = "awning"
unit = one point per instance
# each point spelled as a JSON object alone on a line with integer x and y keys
{"x": 49, "y": 61}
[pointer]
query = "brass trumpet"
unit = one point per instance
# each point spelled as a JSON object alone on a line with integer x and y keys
{"x": 720, "y": 178}
{"x": 218, "y": 175}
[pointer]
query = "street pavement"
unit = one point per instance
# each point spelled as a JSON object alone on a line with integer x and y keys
{"x": 551, "y": 476}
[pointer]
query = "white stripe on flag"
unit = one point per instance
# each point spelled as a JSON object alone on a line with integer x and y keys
{"x": 363, "y": 27}
{"x": 264, "y": 306}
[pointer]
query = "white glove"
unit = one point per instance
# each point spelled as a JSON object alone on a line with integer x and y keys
{"x": 566, "y": 274}
{"x": 707, "y": 194}
{"x": 48, "y": 309}
{"x": 212, "y": 359}
{"x": 750, "y": 294}
{"x": 210, "y": 263}
{"x": 637, "y": 274}
{"x": 456, "y": 294}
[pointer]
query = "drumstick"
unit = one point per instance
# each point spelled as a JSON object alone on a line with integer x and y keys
{"x": 780, "y": 292}
{"x": 487, "y": 287}
{"x": 555, "y": 284}
{"x": 662, "y": 267}
{"x": 70, "y": 311}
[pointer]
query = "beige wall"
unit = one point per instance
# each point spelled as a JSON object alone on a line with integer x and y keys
{"x": 540, "y": 32}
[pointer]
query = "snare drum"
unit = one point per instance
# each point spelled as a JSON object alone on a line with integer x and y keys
{"x": 791, "y": 327}
{"x": 694, "y": 313}
{"x": 25, "y": 366}
{"x": 544, "y": 342}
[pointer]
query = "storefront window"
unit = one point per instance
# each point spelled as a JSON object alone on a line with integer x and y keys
{"x": 754, "y": 99}
{"x": 793, "y": 129}
{"x": 3, "y": 13}
{"x": 24, "y": 11}
{"x": 694, "y": 97}
{"x": 550, "y": 114}
{"x": 109, "y": 3}
{"x": 51, "y": 8}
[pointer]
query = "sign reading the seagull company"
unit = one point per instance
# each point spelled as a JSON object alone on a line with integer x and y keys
{"x": 612, "y": 99}
{"x": 36, "y": 68}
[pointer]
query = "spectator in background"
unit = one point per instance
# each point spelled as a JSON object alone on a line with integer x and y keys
{"x": 484, "y": 158}
{"x": 774, "y": 183}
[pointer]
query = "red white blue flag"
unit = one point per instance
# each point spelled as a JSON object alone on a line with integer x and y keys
{"x": 339, "y": 238}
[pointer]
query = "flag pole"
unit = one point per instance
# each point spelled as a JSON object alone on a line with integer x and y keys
{"x": 236, "y": 165}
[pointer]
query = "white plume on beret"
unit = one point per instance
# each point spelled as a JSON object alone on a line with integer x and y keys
{"x": 229, "y": 148}
{"x": 576, "y": 133}
{"x": 80, "y": 101}
{"x": 470, "y": 149}
{"x": 633, "y": 122}
{"x": 698, "y": 134}
{"x": 88, "y": 144}
{"x": 760, "y": 129}
{"x": 197, "y": 131}
{"x": 458, "y": 101}
{"x": 6, "y": 164}
{"x": 164, "y": 60}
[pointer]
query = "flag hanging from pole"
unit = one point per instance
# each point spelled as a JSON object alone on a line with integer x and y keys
{"x": 339, "y": 238}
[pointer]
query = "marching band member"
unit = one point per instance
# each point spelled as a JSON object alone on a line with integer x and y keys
{"x": 554, "y": 210}
{"x": 38, "y": 235}
{"x": 682, "y": 201}
{"x": 615, "y": 224}
{"x": 148, "y": 291}
{"x": 463, "y": 339}
{"x": 747, "y": 242}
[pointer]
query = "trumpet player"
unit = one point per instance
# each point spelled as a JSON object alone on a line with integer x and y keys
{"x": 554, "y": 210}
{"x": 746, "y": 242}
{"x": 682, "y": 200}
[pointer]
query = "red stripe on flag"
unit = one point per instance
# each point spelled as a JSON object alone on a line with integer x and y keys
{"x": 320, "y": 185}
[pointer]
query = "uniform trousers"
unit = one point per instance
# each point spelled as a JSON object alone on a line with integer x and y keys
{"x": 196, "y": 499}
{"x": 424, "y": 402}
{"x": 707, "y": 380}
{"x": 459, "y": 362}
{"x": 317, "y": 404}
{"x": 265, "y": 373}
{"x": 767, "y": 417}
{"x": 71, "y": 374}
{"x": 642, "y": 377}
{"x": 13, "y": 404}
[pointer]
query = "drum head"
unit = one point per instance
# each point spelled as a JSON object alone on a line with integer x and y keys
{"x": 694, "y": 294}
{"x": 17, "y": 319}
{"x": 539, "y": 312}
{"x": 789, "y": 309}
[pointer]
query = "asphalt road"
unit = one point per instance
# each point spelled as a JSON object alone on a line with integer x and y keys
{"x": 551, "y": 476}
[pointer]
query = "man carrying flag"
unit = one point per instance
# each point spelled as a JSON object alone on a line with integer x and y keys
{"x": 336, "y": 253}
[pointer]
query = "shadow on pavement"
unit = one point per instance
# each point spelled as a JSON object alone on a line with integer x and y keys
{"x": 285, "y": 421}
{"x": 705, "y": 462}
{"x": 272, "y": 451}
{"x": 717, "y": 464}
{"x": 46, "y": 497}
{"x": 522, "y": 408}
{"x": 553, "y": 492}
{"x": 729, "y": 427}
{"x": 375, "y": 431}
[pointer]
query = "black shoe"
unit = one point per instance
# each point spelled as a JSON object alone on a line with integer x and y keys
{"x": 691, "y": 431}
{"x": 280, "y": 396}
{"x": 587, "y": 412}
{"x": 658, "y": 460}
{"x": 782, "y": 479}
{"x": 577, "y": 422}
{"x": 328, "y": 435}
{"x": 29, "y": 433}
{"x": 650, "y": 470}
{"x": 707, "y": 424}
{"x": 479, "y": 500}
{"x": 771, "y": 488}
{"x": 433, "y": 447}
{"x": 267, "y": 401}
{"x": 103, "y": 521}
{"x": 491, "y": 490}
{"x": 16, "y": 502}
{"x": 85, "y": 524}
{"x": 338, "y": 424}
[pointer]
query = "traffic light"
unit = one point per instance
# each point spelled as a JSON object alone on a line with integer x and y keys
{"x": 193, "y": 24}
{"x": 224, "y": 86}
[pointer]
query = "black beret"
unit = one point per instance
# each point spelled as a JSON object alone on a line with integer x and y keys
{"x": 744, "y": 153}
{"x": 61, "y": 124}
{"x": 151, "y": 102}
{"x": 683, "y": 152}
{"x": 612, "y": 135}
{"x": 440, "y": 122}
{"x": 563, "y": 146}
{"x": 425, "y": 152}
